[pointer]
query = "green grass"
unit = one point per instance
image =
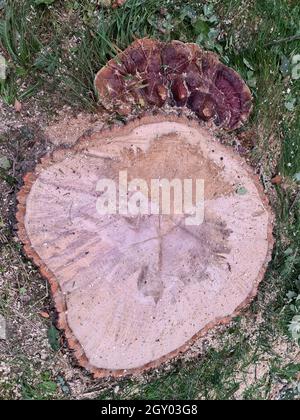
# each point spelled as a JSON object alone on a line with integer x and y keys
{"x": 44, "y": 54}
{"x": 37, "y": 387}
{"x": 20, "y": 39}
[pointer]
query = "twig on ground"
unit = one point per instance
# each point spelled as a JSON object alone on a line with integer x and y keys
{"x": 282, "y": 40}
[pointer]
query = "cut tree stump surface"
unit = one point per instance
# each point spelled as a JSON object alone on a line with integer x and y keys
{"x": 134, "y": 291}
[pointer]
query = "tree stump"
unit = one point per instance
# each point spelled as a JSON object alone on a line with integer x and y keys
{"x": 154, "y": 232}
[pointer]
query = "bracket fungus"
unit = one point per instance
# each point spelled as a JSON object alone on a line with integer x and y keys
{"x": 152, "y": 73}
{"x": 153, "y": 232}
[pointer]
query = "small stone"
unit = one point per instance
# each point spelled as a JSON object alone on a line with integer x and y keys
{"x": 18, "y": 106}
{"x": 2, "y": 328}
{"x": 44, "y": 356}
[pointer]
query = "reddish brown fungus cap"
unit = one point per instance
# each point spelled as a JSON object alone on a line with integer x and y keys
{"x": 150, "y": 73}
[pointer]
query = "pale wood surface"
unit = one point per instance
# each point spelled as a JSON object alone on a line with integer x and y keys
{"x": 137, "y": 289}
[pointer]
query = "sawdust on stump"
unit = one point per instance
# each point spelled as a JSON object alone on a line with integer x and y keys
{"x": 134, "y": 290}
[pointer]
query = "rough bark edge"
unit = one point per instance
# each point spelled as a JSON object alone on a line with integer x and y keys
{"x": 58, "y": 297}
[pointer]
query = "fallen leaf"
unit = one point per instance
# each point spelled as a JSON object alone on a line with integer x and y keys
{"x": 53, "y": 338}
{"x": 44, "y": 315}
{"x": 248, "y": 64}
{"x": 277, "y": 180}
{"x": 18, "y": 106}
{"x": 251, "y": 79}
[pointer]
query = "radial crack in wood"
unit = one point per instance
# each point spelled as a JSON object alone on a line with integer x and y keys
{"x": 133, "y": 290}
